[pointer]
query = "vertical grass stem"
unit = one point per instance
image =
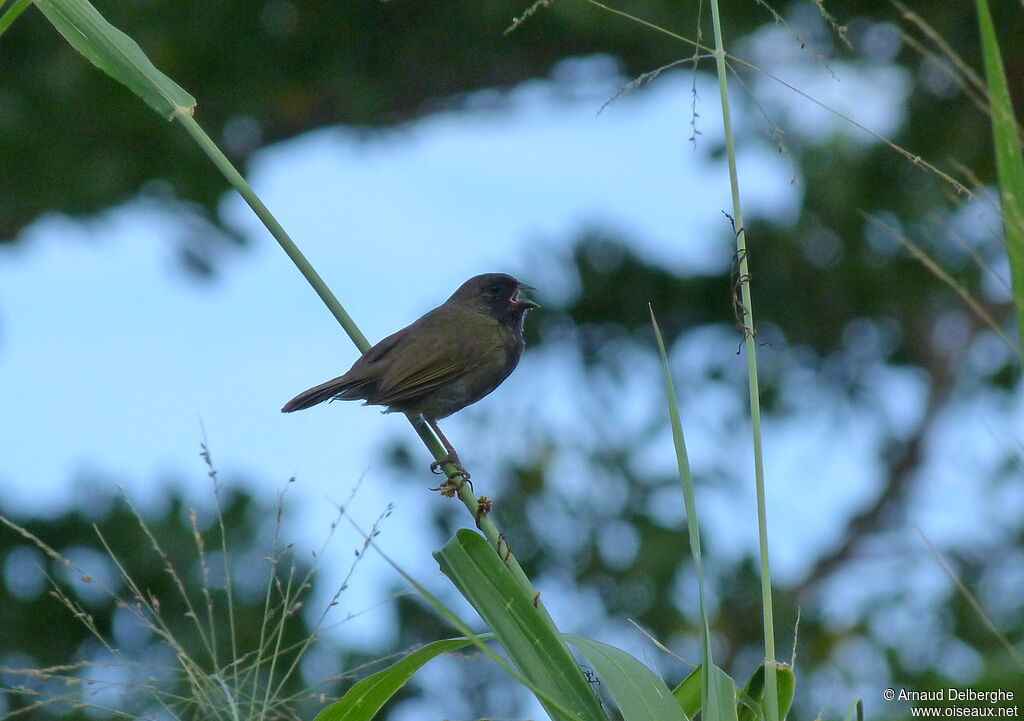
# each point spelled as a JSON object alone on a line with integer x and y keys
{"x": 771, "y": 690}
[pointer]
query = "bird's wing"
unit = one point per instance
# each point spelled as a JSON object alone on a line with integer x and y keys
{"x": 430, "y": 361}
{"x": 418, "y": 382}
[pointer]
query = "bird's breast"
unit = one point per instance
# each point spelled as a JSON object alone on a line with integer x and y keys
{"x": 491, "y": 368}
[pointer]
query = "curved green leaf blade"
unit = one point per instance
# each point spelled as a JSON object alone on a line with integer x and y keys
{"x": 367, "y": 697}
{"x": 721, "y": 700}
{"x": 1009, "y": 163}
{"x": 640, "y": 694}
{"x": 116, "y": 54}
{"x": 721, "y": 695}
{"x": 533, "y": 645}
{"x": 12, "y": 13}
{"x": 688, "y": 692}
{"x": 751, "y": 706}
{"x": 855, "y": 711}
{"x": 718, "y": 700}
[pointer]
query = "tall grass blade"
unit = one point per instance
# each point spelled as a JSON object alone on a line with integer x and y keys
{"x": 639, "y": 693}
{"x": 537, "y": 651}
{"x": 116, "y": 54}
{"x": 718, "y": 699}
{"x": 367, "y": 697}
{"x": 1009, "y": 164}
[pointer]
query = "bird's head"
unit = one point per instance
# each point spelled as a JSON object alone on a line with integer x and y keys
{"x": 497, "y": 295}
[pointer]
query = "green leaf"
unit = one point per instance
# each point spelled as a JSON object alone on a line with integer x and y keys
{"x": 717, "y": 689}
{"x": 12, "y": 13}
{"x": 1009, "y": 163}
{"x": 752, "y": 700}
{"x": 855, "y": 711}
{"x": 531, "y": 642}
{"x": 721, "y": 697}
{"x": 688, "y": 692}
{"x": 638, "y": 692}
{"x": 367, "y": 697}
{"x": 722, "y": 704}
{"x": 475, "y": 639}
{"x": 116, "y": 54}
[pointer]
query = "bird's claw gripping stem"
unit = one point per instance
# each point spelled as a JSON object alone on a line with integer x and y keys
{"x": 455, "y": 480}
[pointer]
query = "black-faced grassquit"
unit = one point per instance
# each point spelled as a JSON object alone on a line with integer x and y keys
{"x": 451, "y": 357}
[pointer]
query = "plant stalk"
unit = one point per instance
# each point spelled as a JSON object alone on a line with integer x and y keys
{"x": 771, "y": 688}
{"x": 280, "y": 235}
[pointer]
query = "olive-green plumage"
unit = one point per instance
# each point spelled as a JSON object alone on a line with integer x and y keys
{"x": 451, "y": 357}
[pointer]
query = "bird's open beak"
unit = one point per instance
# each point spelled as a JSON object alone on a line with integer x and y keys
{"x": 524, "y": 302}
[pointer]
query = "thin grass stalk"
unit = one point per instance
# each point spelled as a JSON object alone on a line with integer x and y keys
{"x": 286, "y": 599}
{"x": 211, "y": 621}
{"x": 171, "y": 571}
{"x": 298, "y": 650}
{"x": 937, "y": 270}
{"x": 79, "y": 613}
{"x": 156, "y": 623}
{"x": 229, "y": 592}
{"x": 276, "y": 651}
{"x": 971, "y": 599}
{"x": 232, "y": 702}
{"x": 771, "y": 690}
{"x": 264, "y": 639}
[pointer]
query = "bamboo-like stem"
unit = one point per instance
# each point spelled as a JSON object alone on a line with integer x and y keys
{"x": 771, "y": 689}
{"x": 280, "y": 234}
{"x": 433, "y": 444}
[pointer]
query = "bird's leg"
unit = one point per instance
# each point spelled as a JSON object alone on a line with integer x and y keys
{"x": 452, "y": 456}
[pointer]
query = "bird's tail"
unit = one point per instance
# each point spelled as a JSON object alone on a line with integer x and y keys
{"x": 340, "y": 387}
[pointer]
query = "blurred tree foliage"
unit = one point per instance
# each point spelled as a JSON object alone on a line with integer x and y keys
{"x": 842, "y": 303}
{"x": 75, "y": 142}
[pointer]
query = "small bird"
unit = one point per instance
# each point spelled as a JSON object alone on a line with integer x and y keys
{"x": 446, "y": 360}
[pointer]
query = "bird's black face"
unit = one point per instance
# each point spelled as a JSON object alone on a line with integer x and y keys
{"x": 497, "y": 294}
